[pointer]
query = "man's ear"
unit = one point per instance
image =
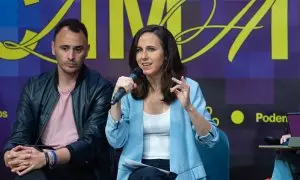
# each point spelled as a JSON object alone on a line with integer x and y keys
{"x": 88, "y": 48}
{"x": 52, "y": 48}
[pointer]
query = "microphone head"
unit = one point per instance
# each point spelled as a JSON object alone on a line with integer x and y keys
{"x": 136, "y": 73}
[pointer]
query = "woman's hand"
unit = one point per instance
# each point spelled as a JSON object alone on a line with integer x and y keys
{"x": 122, "y": 82}
{"x": 182, "y": 91}
{"x": 126, "y": 83}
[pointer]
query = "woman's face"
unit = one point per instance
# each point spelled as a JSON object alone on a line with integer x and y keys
{"x": 150, "y": 54}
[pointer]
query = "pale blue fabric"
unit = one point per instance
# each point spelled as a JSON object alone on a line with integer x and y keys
{"x": 185, "y": 158}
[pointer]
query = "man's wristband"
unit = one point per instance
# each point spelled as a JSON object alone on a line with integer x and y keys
{"x": 54, "y": 158}
{"x": 47, "y": 159}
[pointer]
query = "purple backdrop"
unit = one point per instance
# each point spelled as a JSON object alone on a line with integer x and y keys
{"x": 247, "y": 64}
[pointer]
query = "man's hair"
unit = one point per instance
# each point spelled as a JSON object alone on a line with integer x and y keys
{"x": 73, "y": 24}
{"x": 172, "y": 65}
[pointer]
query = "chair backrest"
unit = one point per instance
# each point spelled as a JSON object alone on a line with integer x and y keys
{"x": 216, "y": 159}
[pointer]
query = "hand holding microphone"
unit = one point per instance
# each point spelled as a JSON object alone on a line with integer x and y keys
{"x": 125, "y": 85}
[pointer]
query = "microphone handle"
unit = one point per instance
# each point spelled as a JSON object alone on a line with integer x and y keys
{"x": 117, "y": 97}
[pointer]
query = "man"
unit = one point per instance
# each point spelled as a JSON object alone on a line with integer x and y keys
{"x": 63, "y": 114}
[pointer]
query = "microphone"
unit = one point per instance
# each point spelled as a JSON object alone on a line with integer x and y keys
{"x": 136, "y": 73}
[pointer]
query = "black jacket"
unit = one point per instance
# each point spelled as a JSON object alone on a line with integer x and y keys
{"x": 91, "y": 103}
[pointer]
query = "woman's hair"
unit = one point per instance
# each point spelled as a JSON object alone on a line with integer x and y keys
{"x": 172, "y": 65}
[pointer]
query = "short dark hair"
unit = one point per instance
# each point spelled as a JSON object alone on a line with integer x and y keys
{"x": 172, "y": 66}
{"x": 73, "y": 24}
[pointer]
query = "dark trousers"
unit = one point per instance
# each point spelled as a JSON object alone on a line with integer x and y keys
{"x": 150, "y": 173}
{"x": 63, "y": 172}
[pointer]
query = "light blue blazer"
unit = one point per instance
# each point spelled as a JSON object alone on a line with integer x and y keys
{"x": 185, "y": 160}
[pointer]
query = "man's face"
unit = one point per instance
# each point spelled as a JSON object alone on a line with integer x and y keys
{"x": 70, "y": 49}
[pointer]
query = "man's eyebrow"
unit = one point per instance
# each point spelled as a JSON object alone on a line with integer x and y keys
{"x": 64, "y": 45}
{"x": 69, "y": 46}
{"x": 80, "y": 46}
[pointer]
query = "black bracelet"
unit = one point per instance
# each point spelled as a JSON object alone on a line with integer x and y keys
{"x": 47, "y": 159}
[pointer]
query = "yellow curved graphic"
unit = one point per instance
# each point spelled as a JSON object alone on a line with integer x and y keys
{"x": 249, "y": 28}
{"x": 10, "y": 50}
{"x": 222, "y": 34}
{"x": 14, "y": 51}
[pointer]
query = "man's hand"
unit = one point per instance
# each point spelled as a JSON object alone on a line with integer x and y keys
{"x": 16, "y": 156}
{"x": 23, "y": 159}
{"x": 37, "y": 160}
{"x": 284, "y": 138}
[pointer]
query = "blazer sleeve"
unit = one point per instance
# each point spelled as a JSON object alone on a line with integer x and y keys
{"x": 117, "y": 132}
{"x": 199, "y": 103}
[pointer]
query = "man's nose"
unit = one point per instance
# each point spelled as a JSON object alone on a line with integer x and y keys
{"x": 71, "y": 55}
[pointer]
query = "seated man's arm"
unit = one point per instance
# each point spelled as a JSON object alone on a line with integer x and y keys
{"x": 93, "y": 138}
{"x": 23, "y": 127}
{"x": 85, "y": 149}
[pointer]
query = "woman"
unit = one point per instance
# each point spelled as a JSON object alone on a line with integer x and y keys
{"x": 163, "y": 118}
